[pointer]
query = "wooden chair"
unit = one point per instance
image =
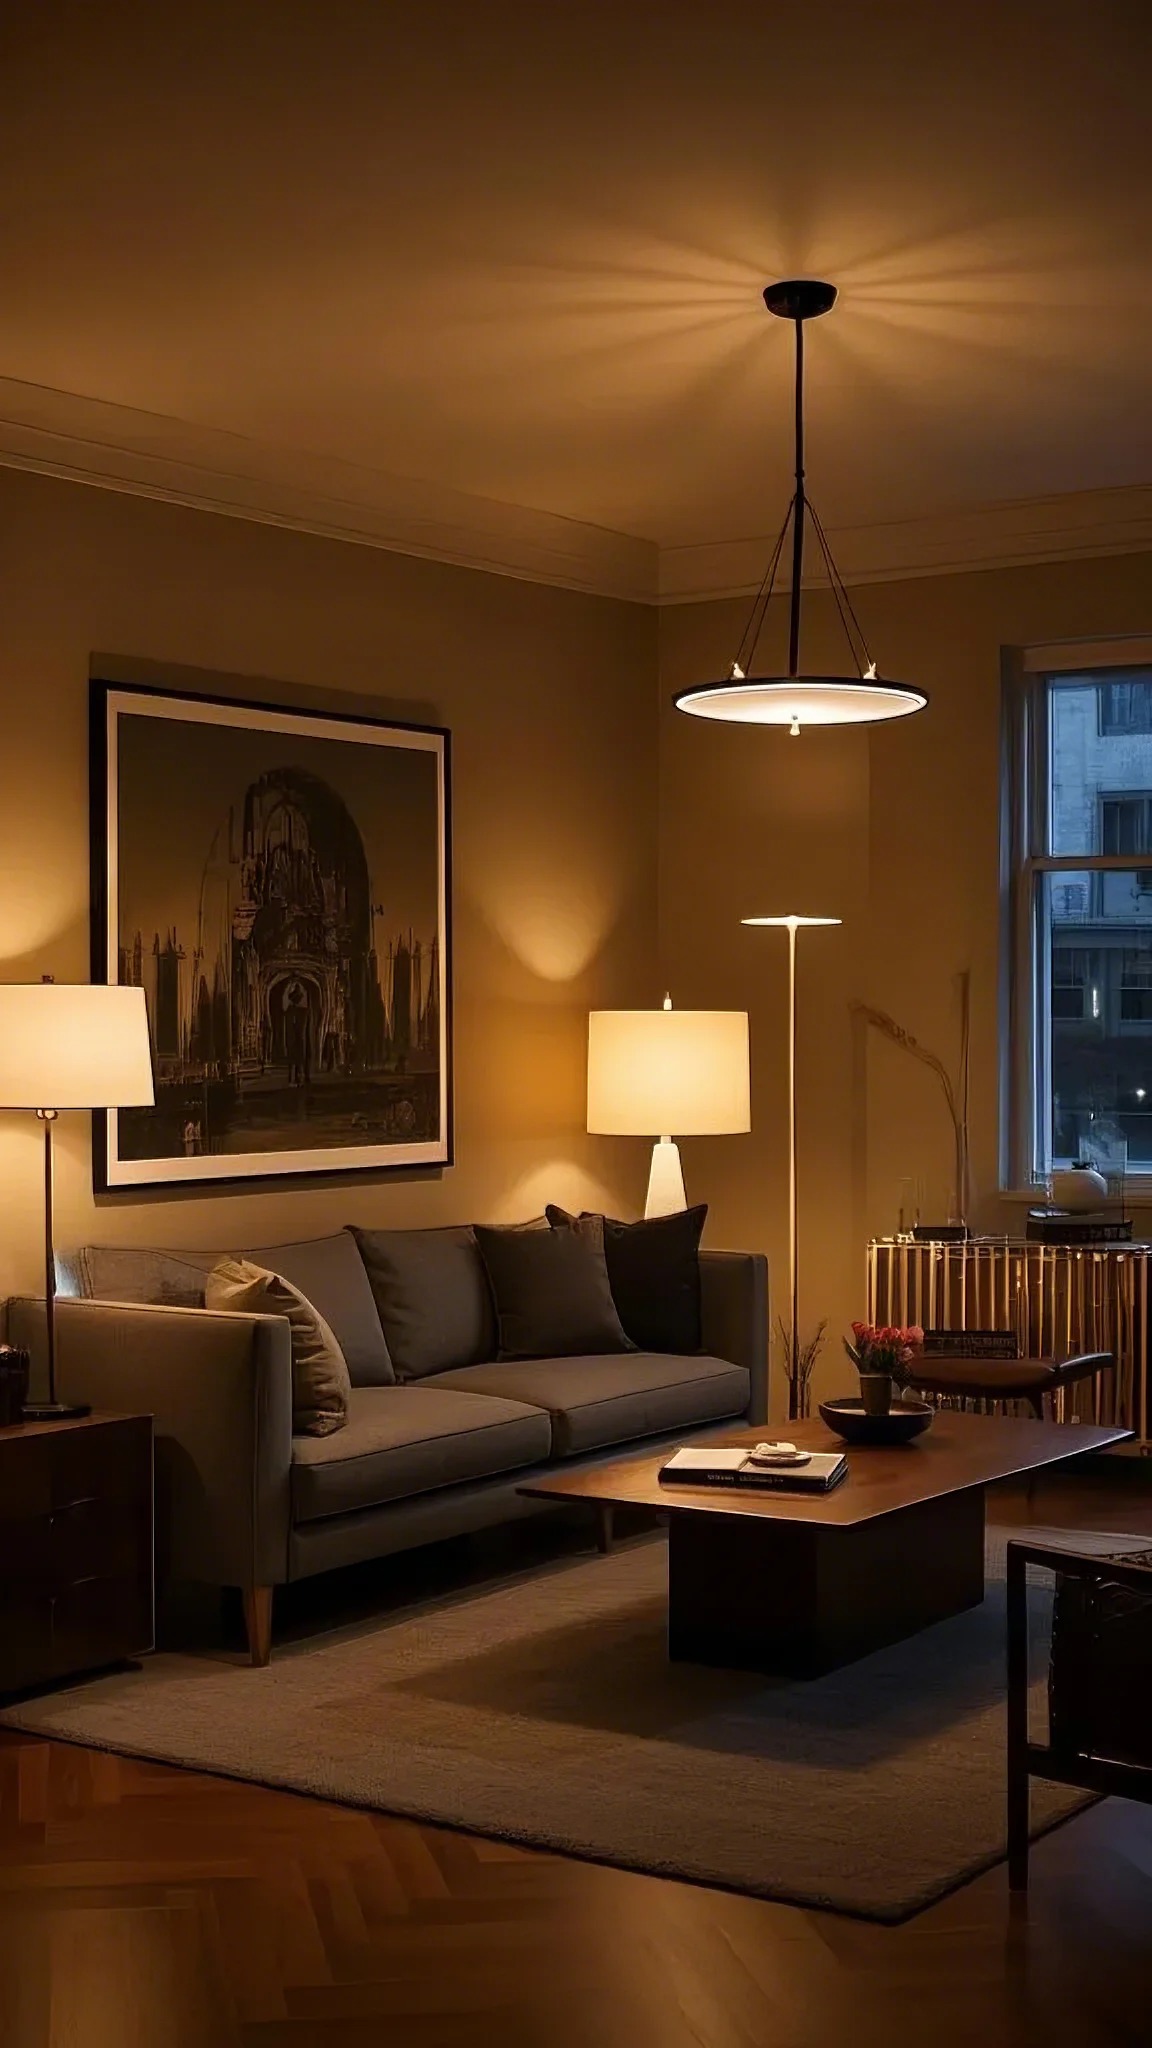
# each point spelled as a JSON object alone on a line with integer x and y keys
{"x": 985, "y": 1366}
{"x": 1100, "y": 1679}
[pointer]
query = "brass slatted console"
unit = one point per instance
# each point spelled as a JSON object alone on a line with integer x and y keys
{"x": 1058, "y": 1299}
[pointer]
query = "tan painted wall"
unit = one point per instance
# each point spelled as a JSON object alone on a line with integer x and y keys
{"x": 896, "y": 832}
{"x": 549, "y": 697}
{"x": 558, "y": 855}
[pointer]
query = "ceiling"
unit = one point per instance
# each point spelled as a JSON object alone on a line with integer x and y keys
{"x": 515, "y": 248}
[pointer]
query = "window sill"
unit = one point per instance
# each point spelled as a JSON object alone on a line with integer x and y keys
{"x": 1137, "y": 1194}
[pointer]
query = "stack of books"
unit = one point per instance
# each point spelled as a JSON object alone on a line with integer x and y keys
{"x": 723, "y": 1465}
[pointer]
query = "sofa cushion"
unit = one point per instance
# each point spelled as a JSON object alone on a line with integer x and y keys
{"x": 115, "y": 1272}
{"x": 551, "y": 1293}
{"x": 605, "y": 1400}
{"x": 399, "y": 1441}
{"x": 321, "y": 1389}
{"x": 328, "y": 1271}
{"x": 432, "y": 1297}
{"x": 654, "y": 1272}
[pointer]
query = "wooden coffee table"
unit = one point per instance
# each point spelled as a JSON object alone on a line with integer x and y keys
{"x": 801, "y": 1583}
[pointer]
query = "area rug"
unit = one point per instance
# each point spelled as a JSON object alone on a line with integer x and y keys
{"x": 544, "y": 1711}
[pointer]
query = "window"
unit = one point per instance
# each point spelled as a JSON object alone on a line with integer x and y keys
{"x": 1126, "y": 827}
{"x": 1135, "y": 987}
{"x": 1124, "y": 706}
{"x": 1070, "y": 975}
{"x": 1079, "y": 816}
{"x": 1126, "y": 824}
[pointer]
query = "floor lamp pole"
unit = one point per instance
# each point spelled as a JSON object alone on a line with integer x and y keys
{"x": 793, "y": 1193}
{"x": 53, "y": 1409}
{"x": 48, "y": 1117}
{"x": 794, "y": 1348}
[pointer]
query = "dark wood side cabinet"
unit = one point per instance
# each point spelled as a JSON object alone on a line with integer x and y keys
{"x": 76, "y": 1559}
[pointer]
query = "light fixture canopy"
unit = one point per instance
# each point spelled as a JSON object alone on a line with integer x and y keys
{"x": 795, "y": 699}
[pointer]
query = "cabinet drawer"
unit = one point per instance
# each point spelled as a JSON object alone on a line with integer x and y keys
{"x": 54, "y": 1470}
{"x": 75, "y": 1547}
{"x": 92, "y": 1622}
{"x": 87, "y": 1539}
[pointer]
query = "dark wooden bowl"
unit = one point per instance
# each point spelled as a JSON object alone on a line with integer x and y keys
{"x": 905, "y": 1419}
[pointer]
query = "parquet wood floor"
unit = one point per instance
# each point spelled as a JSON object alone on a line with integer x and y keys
{"x": 145, "y": 1907}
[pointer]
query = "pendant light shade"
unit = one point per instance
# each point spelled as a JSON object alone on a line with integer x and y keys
{"x": 802, "y": 700}
{"x": 792, "y": 698}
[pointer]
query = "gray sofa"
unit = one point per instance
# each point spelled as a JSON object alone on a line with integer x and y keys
{"x": 242, "y": 1502}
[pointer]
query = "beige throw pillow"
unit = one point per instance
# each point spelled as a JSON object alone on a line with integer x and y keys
{"x": 321, "y": 1387}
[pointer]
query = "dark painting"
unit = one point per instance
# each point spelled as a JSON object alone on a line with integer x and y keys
{"x": 276, "y": 882}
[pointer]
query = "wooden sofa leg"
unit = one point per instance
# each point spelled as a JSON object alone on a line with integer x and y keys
{"x": 258, "y": 1623}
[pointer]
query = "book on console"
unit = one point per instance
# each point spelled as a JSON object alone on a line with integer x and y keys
{"x": 721, "y": 1465}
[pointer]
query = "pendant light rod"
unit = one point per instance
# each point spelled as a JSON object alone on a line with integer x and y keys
{"x": 798, "y": 516}
{"x": 798, "y": 299}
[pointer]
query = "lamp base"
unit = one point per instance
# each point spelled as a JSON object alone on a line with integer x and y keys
{"x": 56, "y": 1411}
{"x": 666, "y": 1196}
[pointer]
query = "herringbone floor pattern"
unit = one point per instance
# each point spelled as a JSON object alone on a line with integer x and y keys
{"x": 144, "y": 1907}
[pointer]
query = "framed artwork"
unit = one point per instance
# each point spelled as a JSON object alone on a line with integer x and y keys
{"x": 278, "y": 884}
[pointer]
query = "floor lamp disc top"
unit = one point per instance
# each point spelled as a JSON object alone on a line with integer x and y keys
{"x": 793, "y": 923}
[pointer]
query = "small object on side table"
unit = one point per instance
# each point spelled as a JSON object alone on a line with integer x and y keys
{"x": 75, "y": 1547}
{"x": 1063, "y": 1226}
{"x": 14, "y": 1368}
{"x": 1078, "y": 1187}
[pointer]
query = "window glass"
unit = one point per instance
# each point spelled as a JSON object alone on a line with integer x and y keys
{"x": 1095, "y": 930}
{"x": 1100, "y": 764}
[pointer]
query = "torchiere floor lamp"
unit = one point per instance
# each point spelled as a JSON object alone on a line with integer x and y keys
{"x": 792, "y": 925}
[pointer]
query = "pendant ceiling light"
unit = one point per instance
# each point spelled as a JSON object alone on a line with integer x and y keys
{"x": 794, "y": 699}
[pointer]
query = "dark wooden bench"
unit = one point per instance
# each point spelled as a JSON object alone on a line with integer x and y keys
{"x": 985, "y": 1366}
{"x": 1099, "y": 1687}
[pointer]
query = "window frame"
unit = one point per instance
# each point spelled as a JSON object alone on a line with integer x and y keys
{"x": 1026, "y": 1079}
{"x": 1120, "y": 730}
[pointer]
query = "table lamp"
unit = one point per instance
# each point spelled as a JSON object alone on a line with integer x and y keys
{"x": 69, "y": 1046}
{"x": 655, "y": 1072}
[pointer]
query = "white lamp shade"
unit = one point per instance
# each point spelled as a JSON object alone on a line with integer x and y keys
{"x": 668, "y": 1073}
{"x": 68, "y": 1045}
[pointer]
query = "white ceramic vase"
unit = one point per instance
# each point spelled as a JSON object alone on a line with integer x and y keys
{"x": 1078, "y": 1189}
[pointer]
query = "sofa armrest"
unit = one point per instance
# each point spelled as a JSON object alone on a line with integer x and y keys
{"x": 734, "y": 1302}
{"x": 220, "y": 1390}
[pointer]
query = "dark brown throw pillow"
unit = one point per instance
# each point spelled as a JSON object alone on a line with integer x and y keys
{"x": 431, "y": 1296}
{"x": 551, "y": 1293}
{"x": 654, "y": 1272}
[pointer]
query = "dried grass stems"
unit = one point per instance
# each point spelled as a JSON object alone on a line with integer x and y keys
{"x": 955, "y": 1091}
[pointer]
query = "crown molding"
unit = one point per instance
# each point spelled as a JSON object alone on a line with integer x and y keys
{"x": 151, "y": 455}
{"x": 115, "y": 447}
{"x": 1008, "y": 535}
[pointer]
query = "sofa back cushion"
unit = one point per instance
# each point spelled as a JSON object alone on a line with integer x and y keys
{"x": 654, "y": 1271}
{"x": 551, "y": 1293}
{"x": 328, "y": 1271}
{"x": 112, "y": 1272}
{"x": 321, "y": 1388}
{"x": 432, "y": 1297}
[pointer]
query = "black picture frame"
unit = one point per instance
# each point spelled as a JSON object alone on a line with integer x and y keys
{"x": 305, "y": 1011}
